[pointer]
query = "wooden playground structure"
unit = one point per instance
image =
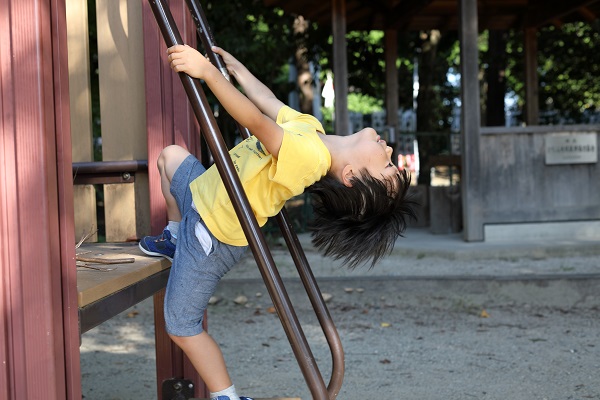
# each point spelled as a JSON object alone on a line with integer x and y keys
{"x": 99, "y": 280}
{"x": 47, "y": 178}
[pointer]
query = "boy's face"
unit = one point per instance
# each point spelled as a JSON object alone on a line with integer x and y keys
{"x": 374, "y": 155}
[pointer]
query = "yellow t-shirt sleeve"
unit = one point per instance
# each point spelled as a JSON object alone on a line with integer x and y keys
{"x": 301, "y": 162}
{"x": 290, "y": 118}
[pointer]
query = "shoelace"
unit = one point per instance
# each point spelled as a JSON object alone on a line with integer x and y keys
{"x": 161, "y": 238}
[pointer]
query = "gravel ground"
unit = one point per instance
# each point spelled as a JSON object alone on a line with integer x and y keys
{"x": 416, "y": 327}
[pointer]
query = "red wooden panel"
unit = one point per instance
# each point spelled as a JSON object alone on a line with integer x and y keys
{"x": 64, "y": 242}
{"x": 170, "y": 120}
{"x": 34, "y": 213}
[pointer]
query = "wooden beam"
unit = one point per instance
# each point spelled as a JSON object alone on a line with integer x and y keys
{"x": 470, "y": 122}
{"x": 340, "y": 67}
{"x": 401, "y": 15}
{"x": 391, "y": 78}
{"x": 588, "y": 14}
{"x": 531, "y": 77}
{"x": 548, "y": 11}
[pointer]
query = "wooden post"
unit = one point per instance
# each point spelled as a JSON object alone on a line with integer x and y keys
{"x": 38, "y": 329}
{"x": 340, "y": 67}
{"x": 122, "y": 107}
{"x": 470, "y": 122}
{"x": 532, "y": 103}
{"x": 391, "y": 78}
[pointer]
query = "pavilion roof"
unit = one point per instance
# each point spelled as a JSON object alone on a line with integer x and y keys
{"x": 416, "y": 15}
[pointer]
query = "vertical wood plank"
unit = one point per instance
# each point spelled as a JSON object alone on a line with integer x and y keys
{"x": 122, "y": 104}
{"x": 35, "y": 203}
{"x": 532, "y": 102}
{"x": 67, "y": 280}
{"x": 340, "y": 67}
{"x": 170, "y": 120}
{"x": 80, "y": 100}
{"x": 471, "y": 122}
{"x": 84, "y": 200}
{"x": 391, "y": 88}
{"x": 142, "y": 205}
{"x": 391, "y": 78}
{"x": 119, "y": 211}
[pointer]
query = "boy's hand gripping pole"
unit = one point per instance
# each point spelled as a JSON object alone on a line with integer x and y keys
{"x": 244, "y": 213}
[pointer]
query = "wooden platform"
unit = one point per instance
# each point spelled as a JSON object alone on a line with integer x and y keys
{"x": 112, "y": 288}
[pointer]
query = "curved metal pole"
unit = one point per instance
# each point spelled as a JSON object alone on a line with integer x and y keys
{"x": 318, "y": 304}
{"x": 243, "y": 211}
{"x": 291, "y": 239}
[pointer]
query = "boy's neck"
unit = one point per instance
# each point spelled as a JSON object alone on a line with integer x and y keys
{"x": 338, "y": 147}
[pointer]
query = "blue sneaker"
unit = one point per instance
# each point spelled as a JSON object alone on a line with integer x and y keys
{"x": 160, "y": 245}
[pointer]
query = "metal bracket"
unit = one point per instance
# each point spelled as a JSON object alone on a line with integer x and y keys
{"x": 177, "y": 389}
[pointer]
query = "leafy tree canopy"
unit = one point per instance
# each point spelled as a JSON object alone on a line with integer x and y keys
{"x": 568, "y": 71}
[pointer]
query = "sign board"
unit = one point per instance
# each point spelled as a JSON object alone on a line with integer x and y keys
{"x": 571, "y": 148}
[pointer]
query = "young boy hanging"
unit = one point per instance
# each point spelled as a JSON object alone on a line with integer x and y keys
{"x": 360, "y": 201}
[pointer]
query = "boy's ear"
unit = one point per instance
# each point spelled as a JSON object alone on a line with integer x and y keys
{"x": 347, "y": 175}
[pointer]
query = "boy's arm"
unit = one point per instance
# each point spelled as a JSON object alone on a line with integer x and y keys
{"x": 256, "y": 91}
{"x": 190, "y": 61}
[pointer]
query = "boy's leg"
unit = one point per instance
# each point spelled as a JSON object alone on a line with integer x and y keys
{"x": 194, "y": 274}
{"x": 164, "y": 245}
{"x": 193, "y": 279}
{"x": 200, "y": 349}
{"x": 169, "y": 160}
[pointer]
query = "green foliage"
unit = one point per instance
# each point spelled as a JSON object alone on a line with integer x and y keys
{"x": 568, "y": 71}
{"x": 357, "y": 102}
{"x": 260, "y": 37}
{"x": 364, "y": 104}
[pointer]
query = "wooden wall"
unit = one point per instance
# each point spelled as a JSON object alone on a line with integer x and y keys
{"x": 122, "y": 113}
{"x": 39, "y": 338}
{"x": 518, "y": 186}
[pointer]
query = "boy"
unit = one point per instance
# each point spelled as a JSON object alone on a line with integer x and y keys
{"x": 360, "y": 209}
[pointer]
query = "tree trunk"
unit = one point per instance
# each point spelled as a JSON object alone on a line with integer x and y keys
{"x": 305, "y": 79}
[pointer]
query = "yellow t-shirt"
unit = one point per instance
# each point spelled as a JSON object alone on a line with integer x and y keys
{"x": 268, "y": 182}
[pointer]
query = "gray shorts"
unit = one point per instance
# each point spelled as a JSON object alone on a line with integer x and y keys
{"x": 194, "y": 274}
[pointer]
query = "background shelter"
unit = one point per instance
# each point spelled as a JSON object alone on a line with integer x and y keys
{"x": 505, "y": 176}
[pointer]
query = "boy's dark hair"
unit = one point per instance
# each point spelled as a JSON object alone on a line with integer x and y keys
{"x": 361, "y": 222}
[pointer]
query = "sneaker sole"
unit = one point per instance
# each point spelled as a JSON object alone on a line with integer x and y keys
{"x": 151, "y": 253}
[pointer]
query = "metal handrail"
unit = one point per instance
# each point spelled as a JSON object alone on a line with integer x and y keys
{"x": 283, "y": 220}
{"x": 104, "y": 167}
{"x": 248, "y": 221}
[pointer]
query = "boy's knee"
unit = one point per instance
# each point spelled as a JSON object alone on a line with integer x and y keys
{"x": 170, "y": 158}
{"x": 168, "y": 153}
{"x": 178, "y": 340}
